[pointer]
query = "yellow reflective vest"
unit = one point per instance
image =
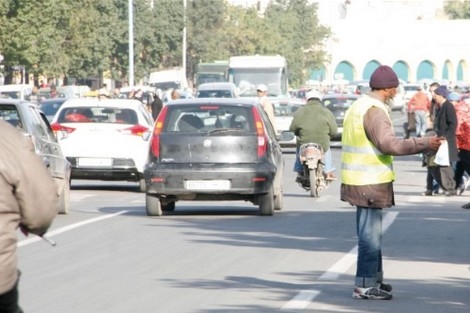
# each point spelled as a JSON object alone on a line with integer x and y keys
{"x": 362, "y": 163}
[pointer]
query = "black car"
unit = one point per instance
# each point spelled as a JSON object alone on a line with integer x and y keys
{"x": 213, "y": 149}
{"x": 31, "y": 121}
{"x": 339, "y": 104}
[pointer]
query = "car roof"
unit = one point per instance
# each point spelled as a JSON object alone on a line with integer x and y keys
{"x": 94, "y": 102}
{"x": 135, "y": 88}
{"x": 228, "y": 101}
{"x": 216, "y": 86}
{"x": 53, "y": 100}
{"x": 15, "y": 101}
{"x": 341, "y": 95}
{"x": 14, "y": 87}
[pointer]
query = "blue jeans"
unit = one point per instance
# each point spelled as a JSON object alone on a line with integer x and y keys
{"x": 328, "y": 159}
{"x": 369, "y": 257}
{"x": 421, "y": 122}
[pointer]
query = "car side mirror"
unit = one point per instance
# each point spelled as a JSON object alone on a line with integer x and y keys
{"x": 286, "y": 136}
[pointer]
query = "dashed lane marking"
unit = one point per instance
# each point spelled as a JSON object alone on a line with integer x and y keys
{"x": 302, "y": 299}
{"x": 68, "y": 228}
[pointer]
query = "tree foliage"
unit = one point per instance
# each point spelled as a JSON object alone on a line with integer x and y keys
{"x": 457, "y": 9}
{"x": 89, "y": 38}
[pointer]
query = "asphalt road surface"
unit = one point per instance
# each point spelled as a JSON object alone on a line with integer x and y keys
{"x": 220, "y": 257}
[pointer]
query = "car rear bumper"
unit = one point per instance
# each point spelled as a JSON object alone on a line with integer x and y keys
{"x": 174, "y": 179}
{"x": 121, "y": 169}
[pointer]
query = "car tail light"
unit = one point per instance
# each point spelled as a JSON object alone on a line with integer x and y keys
{"x": 137, "y": 130}
{"x": 56, "y": 127}
{"x": 157, "y": 129}
{"x": 262, "y": 139}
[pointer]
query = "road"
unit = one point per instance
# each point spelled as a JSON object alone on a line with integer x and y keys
{"x": 220, "y": 257}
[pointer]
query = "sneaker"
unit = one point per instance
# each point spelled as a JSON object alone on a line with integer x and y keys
{"x": 371, "y": 293}
{"x": 385, "y": 287}
{"x": 427, "y": 193}
{"x": 450, "y": 193}
{"x": 464, "y": 186}
{"x": 466, "y": 206}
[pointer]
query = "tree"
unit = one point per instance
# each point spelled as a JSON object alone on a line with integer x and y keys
{"x": 457, "y": 9}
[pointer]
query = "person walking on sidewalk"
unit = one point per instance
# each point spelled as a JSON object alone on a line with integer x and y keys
{"x": 419, "y": 105}
{"x": 462, "y": 110}
{"x": 445, "y": 124}
{"x": 368, "y": 146}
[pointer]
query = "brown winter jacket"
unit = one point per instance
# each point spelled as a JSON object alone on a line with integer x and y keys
{"x": 380, "y": 131}
{"x": 28, "y": 196}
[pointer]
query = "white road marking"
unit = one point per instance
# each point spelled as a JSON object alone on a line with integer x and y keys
{"x": 68, "y": 227}
{"x": 301, "y": 300}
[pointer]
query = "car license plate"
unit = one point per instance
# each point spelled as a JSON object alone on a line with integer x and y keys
{"x": 95, "y": 162}
{"x": 207, "y": 184}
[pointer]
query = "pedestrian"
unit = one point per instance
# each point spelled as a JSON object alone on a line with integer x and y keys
{"x": 156, "y": 105}
{"x": 314, "y": 123}
{"x": 462, "y": 110}
{"x": 419, "y": 106}
{"x": 368, "y": 146}
{"x": 174, "y": 94}
{"x": 53, "y": 92}
{"x": 268, "y": 107}
{"x": 445, "y": 125}
{"x": 432, "y": 186}
{"x": 28, "y": 200}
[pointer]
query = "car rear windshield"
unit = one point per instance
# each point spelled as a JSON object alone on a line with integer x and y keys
{"x": 9, "y": 113}
{"x": 207, "y": 118}
{"x": 214, "y": 94}
{"x": 285, "y": 109}
{"x": 340, "y": 102}
{"x": 110, "y": 115}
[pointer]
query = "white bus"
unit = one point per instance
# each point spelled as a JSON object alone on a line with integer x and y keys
{"x": 248, "y": 71}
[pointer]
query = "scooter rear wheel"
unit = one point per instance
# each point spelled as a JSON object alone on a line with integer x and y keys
{"x": 313, "y": 183}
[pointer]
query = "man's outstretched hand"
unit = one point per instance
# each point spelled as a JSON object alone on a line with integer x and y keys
{"x": 435, "y": 142}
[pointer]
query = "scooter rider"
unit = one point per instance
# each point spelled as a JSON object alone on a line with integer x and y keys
{"x": 314, "y": 123}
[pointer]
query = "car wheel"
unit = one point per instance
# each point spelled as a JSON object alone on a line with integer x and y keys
{"x": 169, "y": 207}
{"x": 266, "y": 203}
{"x": 153, "y": 205}
{"x": 64, "y": 199}
{"x": 142, "y": 185}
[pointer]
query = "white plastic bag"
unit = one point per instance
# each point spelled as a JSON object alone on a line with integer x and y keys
{"x": 442, "y": 155}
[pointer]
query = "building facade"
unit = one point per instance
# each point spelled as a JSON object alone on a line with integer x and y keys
{"x": 413, "y": 37}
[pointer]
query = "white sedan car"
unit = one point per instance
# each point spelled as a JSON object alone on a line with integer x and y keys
{"x": 105, "y": 139}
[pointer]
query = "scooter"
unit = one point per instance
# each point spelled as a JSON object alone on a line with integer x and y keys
{"x": 313, "y": 178}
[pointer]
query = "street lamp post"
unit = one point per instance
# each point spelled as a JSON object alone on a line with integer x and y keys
{"x": 131, "y": 44}
{"x": 184, "y": 36}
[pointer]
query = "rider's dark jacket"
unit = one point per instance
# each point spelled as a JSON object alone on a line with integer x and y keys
{"x": 314, "y": 123}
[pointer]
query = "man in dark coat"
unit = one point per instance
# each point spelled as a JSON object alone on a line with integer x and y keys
{"x": 445, "y": 125}
{"x": 156, "y": 106}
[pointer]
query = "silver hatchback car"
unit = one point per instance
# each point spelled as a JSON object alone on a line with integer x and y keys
{"x": 30, "y": 120}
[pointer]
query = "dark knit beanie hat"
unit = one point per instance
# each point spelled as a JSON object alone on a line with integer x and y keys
{"x": 383, "y": 77}
{"x": 442, "y": 91}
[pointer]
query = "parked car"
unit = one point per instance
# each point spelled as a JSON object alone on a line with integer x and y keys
{"x": 105, "y": 139}
{"x": 217, "y": 90}
{"x": 339, "y": 104}
{"x": 51, "y": 106}
{"x": 284, "y": 110}
{"x": 27, "y": 118}
{"x": 213, "y": 149}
